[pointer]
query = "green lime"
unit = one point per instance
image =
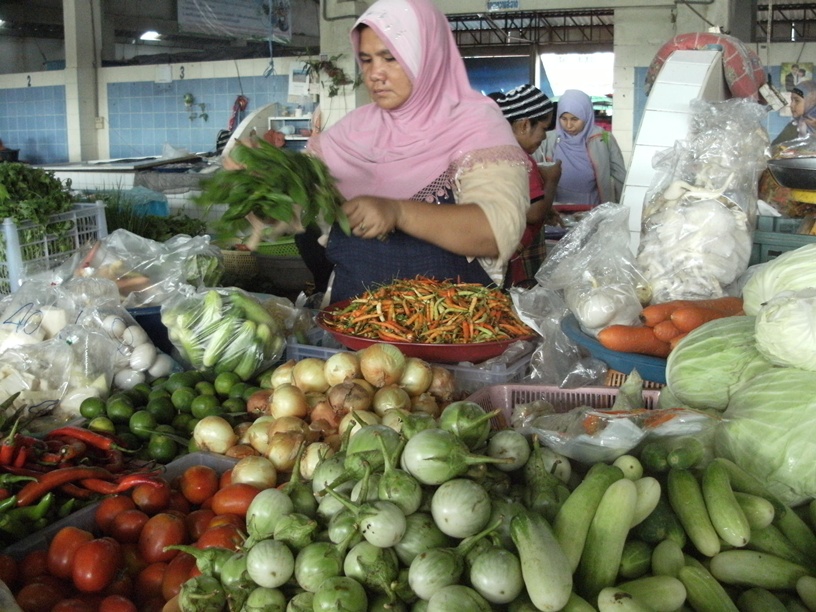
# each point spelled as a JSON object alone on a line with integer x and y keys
{"x": 250, "y": 389}
{"x": 168, "y": 429}
{"x": 142, "y": 424}
{"x": 180, "y": 422}
{"x": 119, "y": 409}
{"x": 162, "y": 409}
{"x": 140, "y": 393}
{"x": 129, "y": 440}
{"x": 191, "y": 424}
{"x": 234, "y": 405}
{"x": 238, "y": 389}
{"x": 162, "y": 448}
{"x": 182, "y": 379}
{"x": 192, "y": 447}
{"x": 101, "y": 424}
{"x": 92, "y": 407}
{"x": 158, "y": 392}
{"x": 205, "y": 405}
{"x": 205, "y": 387}
{"x": 182, "y": 398}
{"x": 226, "y": 381}
{"x": 158, "y": 383}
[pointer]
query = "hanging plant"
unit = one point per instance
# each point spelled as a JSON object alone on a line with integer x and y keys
{"x": 323, "y": 69}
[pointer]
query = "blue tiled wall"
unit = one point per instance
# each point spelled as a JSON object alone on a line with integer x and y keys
{"x": 144, "y": 116}
{"x": 32, "y": 119}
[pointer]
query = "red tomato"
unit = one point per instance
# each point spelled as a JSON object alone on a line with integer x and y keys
{"x": 225, "y": 479}
{"x": 62, "y": 548}
{"x": 163, "y": 529}
{"x": 154, "y": 604}
{"x": 227, "y": 519}
{"x": 127, "y": 526}
{"x": 9, "y": 572}
{"x": 34, "y": 564}
{"x": 179, "y": 503}
{"x": 36, "y": 597}
{"x": 224, "y": 536}
{"x": 74, "y": 604}
{"x": 122, "y": 585}
{"x": 178, "y": 572}
{"x": 150, "y": 498}
{"x": 132, "y": 559}
{"x": 96, "y": 564}
{"x": 108, "y": 509}
{"x": 198, "y": 483}
{"x": 197, "y": 522}
{"x": 117, "y": 603}
{"x": 234, "y": 498}
{"x": 149, "y": 582}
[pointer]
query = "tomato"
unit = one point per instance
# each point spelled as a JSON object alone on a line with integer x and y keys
{"x": 74, "y": 604}
{"x": 132, "y": 559}
{"x": 149, "y": 582}
{"x": 108, "y": 509}
{"x": 225, "y": 479}
{"x": 127, "y": 526}
{"x": 234, "y": 498}
{"x": 34, "y": 564}
{"x": 178, "y": 572}
{"x": 96, "y": 564}
{"x": 154, "y": 604}
{"x": 197, "y": 522}
{"x": 150, "y": 498}
{"x": 62, "y": 548}
{"x": 122, "y": 585}
{"x": 163, "y": 529}
{"x": 224, "y": 536}
{"x": 117, "y": 603}
{"x": 227, "y": 519}
{"x": 36, "y": 597}
{"x": 9, "y": 572}
{"x": 198, "y": 482}
{"x": 179, "y": 502}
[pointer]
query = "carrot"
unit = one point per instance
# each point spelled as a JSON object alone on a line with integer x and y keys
{"x": 689, "y": 318}
{"x": 676, "y": 340}
{"x": 666, "y": 330}
{"x": 633, "y": 339}
{"x": 655, "y": 313}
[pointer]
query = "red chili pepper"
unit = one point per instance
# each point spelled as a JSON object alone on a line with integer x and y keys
{"x": 77, "y": 492}
{"x": 124, "y": 484}
{"x": 91, "y": 438}
{"x": 20, "y": 457}
{"x": 33, "y": 491}
{"x": 65, "y": 452}
{"x": 9, "y": 445}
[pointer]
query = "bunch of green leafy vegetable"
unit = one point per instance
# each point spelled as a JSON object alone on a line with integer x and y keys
{"x": 276, "y": 185}
{"x": 30, "y": 194}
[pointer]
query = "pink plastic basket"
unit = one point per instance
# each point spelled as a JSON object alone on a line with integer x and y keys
{"x": 505, "y": 397}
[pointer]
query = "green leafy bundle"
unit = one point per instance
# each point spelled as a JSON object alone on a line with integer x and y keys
{"x": 276, "y": 185}
{"x": 32, "y": 194}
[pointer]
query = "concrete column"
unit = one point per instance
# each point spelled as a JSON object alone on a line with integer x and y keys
{"x": 83, "y": 35}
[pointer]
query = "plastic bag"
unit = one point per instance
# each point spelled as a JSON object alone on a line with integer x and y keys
{"x": 697, "y": 227}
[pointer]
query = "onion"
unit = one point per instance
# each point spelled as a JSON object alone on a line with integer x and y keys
{"x": 280, "y": 375}
{"x": 258, "y": 402}
{"x": 257, "y": 434}
{"x": 239, "y": 451}
{"x": 390, "y": 397}
{"x": 393, "y": 418}
{"x": 287, "y": 424}
{"x": 325, "y": 412}
{"x": 214, "y": 434}
{"x": 312, "y": 456}
{"x": 443, "y": 384}
{"x": 342, "y": 366}
{"x": 417, "y": 377}
{"x": 288, "y": 400}
{"x": 348, "y": 396}
{"x": 283, "y": 449}
{"x": 308, "y": 376}
{"x": 426, "y": 403}
{"x": 381, "y": 364}
{"x": 348, "y": 421}
{"x": 255, "y": 470}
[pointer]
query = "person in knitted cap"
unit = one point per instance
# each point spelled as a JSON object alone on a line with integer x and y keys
{"x": 530, "y": 113}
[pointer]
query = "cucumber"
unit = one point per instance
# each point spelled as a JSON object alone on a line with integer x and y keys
{"x": 686, "y": 499}
{"x": 751, "y": 568}
{"x": 758, "y": 510}
{"x": 771, "y": 540}
{"x": 662, "y": 523}
{"x": 686, "y": 452}
{"x": 806, "y": 589}
{"x": 797, "y": 531}
{"x": 759, "y": 600}
{"x": 630, "y": 465}
{"x": 748, "y": 483}
{"x": 600, "y": 560}
{"x": 648, "y": 495}
{"x": 703, "y": 592}
{"x": 636, "y": 559}
{"x": 572, "y": 522}
{"x": 577, "y": 603}
{"x": 659, "y": 593}
{"x": 544, "y": 566}
{"x": 612, "y": 599}
{"x": 654, "y": 457}
{"x": 725, "y": 513}
{"x": 667, "y": 559}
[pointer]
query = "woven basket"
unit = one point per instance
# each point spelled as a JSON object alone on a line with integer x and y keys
{"x": 239, "y": 265}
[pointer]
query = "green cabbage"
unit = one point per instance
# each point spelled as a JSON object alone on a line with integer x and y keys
{"x": 790, "y": 271}
{"x": 768, "y": 430}
{"x": 786, "y": 329}
{"x": 713, "y": 361}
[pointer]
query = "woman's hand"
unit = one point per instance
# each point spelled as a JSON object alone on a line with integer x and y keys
{"x": 372, "y": 217}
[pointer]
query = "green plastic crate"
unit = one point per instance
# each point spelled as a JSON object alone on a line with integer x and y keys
{"x": 769, "y": 245}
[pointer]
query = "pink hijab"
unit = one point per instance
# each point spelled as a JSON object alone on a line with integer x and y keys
{"x": 397, "y": 153}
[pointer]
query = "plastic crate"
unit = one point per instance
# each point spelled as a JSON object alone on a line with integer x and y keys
{"x": 282, "y": 247}
{"x": 782, "y": 225}
{"x": 31, "y": 248}
{"x": 469, "y": 378}
{"x": 239, "y": 265}
{"x": 505, "y": 397}
{"x": 85, "y": 518}
{"x": 769, "y": 245}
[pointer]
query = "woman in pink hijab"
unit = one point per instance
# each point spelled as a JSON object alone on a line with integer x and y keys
{"x": 435, "y": 182}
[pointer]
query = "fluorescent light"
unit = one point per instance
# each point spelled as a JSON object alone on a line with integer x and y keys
{"x": 150, "y": 35}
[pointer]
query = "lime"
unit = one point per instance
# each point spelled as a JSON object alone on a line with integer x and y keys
{"x": 92, "y": 407}
{"x": 162, "y": 409}
{"x": 140, "y": 393}
{"x": 182, "y": 379}
{"x": 180, "y": 422}
{"x": 128, "y": 440}
{"x": 182, "y": 398}
{"x": 119, "y": 408}
{"x": 158, "y": 392}
{"x": 234, "y": 405}
{"x": 238, "y": 389}
{"x": 205, "y": 405}
{"x": 191, "y": 424}
{"x": 168, "y": 429}
{"x": 101, "y": 424}
{"x": 250, "y": 389}
{"x": 226, "y": 381}
{"x": 205, "y": 387}
{"x": 158, "y": 383}
{"x": 142, "y": 424}
{"x": 162, "y": 448}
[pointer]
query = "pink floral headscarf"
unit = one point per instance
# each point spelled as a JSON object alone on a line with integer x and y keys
{"x": 396, "y": 153}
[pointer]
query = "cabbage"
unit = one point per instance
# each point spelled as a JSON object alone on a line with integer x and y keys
{"x": 786, "y": 329}
{"x": 713, "y": 361}
{"x": 790, "y": 271}
{"x": 768, "y": 430}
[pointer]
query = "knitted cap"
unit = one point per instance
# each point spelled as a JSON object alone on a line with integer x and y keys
{"x": 524, "y": 102}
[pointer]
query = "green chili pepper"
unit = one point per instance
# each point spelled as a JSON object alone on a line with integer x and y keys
{"x": 35, "y": 512}
{"x": 8, "y": 503}
{"x": 13, "y": 527}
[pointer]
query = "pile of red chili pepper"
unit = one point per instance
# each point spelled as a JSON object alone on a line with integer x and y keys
{"x": 429, "y": 311}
